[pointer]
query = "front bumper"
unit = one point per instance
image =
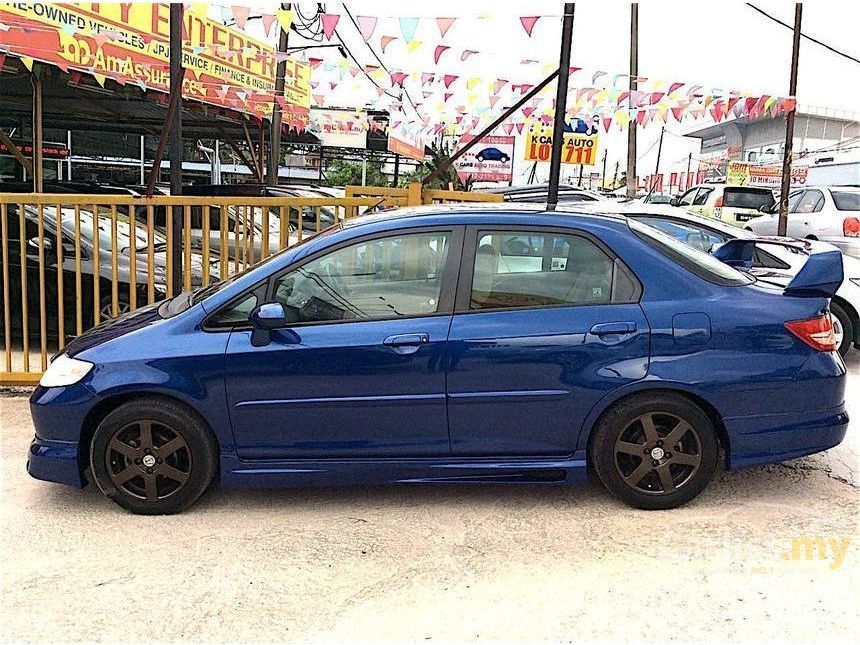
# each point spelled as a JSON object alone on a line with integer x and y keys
{"x": 55, "y": 461}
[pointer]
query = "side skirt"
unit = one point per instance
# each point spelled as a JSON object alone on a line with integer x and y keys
{"x": 346, "y": 472}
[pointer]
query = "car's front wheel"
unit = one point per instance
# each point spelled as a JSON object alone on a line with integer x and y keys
{"x": 153, "y": 456}
{"x": 655, "y": 451}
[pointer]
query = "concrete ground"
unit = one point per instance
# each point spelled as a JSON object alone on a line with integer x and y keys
{"x": 437, "y": 563}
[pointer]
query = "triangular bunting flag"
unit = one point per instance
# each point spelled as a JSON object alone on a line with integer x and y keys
{"x": 466, "y": 53}
{"x": 407, "y": 28}
{"x": 366, "y": 25}
{"x": 240, "y": 14}
{"x": 448, "y": 79}
{"x": 285, "y": 19}
{"x": 385, "y": 41}
{"x": 329, "y": 23}
{"x": 528, "y": 23}
{"x": 268, "y": 20}
{"x": 444, "y": 25}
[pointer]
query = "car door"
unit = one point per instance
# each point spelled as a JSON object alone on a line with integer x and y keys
{"x": 801, "y": 218}
{"x": 359, "y": 371}
{"x": 540, "y": 333}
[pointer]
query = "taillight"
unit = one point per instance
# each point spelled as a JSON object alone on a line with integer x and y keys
{"x": 851, "y": 227}
{"x": 816, "y": 332}
{"x": 719, "y": 202}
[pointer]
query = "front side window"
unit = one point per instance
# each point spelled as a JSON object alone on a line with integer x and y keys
{"x": 702, "y": 196}
{"x": 688, "y": 197}
{"x": 541, "y": 269}
{"x": 375, "y": 279}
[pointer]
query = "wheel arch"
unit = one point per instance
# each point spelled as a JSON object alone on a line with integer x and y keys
{"x": 110, "y": 403}
{"x": 608, "y": 403}
{"x": 852, "y": 312}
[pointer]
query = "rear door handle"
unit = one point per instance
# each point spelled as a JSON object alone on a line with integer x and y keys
{"x": 407, "y": 343}
{"x": 608, "y": 329}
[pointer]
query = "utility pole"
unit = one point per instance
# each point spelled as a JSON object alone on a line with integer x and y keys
{"x": 789, "y": 125}
{"x": 634, "y": 73}
{"x": 560, "y": 106}
{"x": 396, "y": 170}
{"x": 615, "y": 176}
{"x": 603, "y": 174}
{"x": 176, "y": 75}
{"x": 687, "y": 178}
{"x": 274, "y": 160}
{"x": 37, "y": 133}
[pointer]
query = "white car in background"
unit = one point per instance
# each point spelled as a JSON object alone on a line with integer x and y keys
{"x": 827, "y": 213}
{"x": 735, "y": 205}
{"x": 777, "y": 261}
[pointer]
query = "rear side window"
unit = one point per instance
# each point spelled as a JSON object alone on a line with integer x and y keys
{"x": 846, "y": 201}
{"x": 747, "y": 198}
{"x": 544, "y": 269}
{"x": 702, "y": 264}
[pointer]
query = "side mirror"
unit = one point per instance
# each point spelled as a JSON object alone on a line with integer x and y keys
{"x": 765, "y": 209}
{"x": 269, "y": 316}
{"x": 47, "y": 245}
{"x": 264, "y": 319}
{"x": 674, "y": 201}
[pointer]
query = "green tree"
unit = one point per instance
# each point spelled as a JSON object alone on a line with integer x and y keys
{"x": 441, "y": 151}
{"x": 348, "y": 173}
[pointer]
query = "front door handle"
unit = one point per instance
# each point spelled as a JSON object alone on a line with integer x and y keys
{"x": 613, "y": 328}
{"x": 407, "y": 343}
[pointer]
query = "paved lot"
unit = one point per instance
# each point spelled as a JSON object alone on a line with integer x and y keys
{"x": 435, "y": 564}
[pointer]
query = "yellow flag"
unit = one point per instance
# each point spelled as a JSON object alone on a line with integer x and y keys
{"x": 285, "y": 18}
{"x": 413, "y": 45}
{"x": 200, "y": 8}
{"x": 28, "y": 62}
{"x": 472, "y": 82}
{"x": 100, "y": 78}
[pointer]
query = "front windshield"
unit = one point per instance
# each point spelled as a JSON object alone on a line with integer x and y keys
{"x": 202, "y": 294}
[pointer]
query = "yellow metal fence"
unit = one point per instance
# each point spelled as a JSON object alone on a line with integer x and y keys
{"x": 71, "y": 261}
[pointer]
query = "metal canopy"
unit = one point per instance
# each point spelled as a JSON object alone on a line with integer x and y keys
{"x": 127, "y": 109}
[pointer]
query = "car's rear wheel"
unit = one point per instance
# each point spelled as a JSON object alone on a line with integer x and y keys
{"x": 655, "y": 451}
{"x": 843, "y": 328}
{"x": 153, "y": 456}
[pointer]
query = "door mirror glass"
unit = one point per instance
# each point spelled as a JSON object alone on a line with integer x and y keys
{"x": 674, "y": 202}
{"x": 270, "y": 315}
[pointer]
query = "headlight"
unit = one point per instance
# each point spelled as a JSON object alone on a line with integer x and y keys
{"x": 64, "y": 370}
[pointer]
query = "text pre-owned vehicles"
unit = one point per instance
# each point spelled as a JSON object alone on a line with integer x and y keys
{"x": 775, "y": 259}
{"x": 732, "y": 204}
{"x": 421, "y": 345}
{"x": 827, "y": 213}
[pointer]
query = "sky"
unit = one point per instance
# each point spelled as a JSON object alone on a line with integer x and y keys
{"x": 715, "y": 44}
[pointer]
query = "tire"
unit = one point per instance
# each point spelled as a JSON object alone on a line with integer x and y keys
{"x": 624, "y": 457}
{"x": 844, "y": 320}
{"x": 123, "y": 304}
{"x": 166, "y": 477}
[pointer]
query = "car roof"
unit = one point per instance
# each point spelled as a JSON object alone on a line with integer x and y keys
{"x": 464, "y": 212}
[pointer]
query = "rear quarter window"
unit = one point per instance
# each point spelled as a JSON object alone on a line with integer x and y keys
{"x": 702, "y": 264}
{"x": 846, "y": 201}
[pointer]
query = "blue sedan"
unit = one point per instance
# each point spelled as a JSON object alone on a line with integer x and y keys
{"x": 453, "y": 344}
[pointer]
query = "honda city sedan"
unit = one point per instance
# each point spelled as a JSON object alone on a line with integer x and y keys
{"x": 485, "y": 344}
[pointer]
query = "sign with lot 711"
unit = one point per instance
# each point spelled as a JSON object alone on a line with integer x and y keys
{"x": 578, "y": 147}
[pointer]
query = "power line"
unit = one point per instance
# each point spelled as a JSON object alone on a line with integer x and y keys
{"x": 810, "y": 38}
{"x": 376, "y": 56}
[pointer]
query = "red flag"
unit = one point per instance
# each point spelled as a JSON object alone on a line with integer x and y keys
{"x": 520, "y": 127}
{"x": 499, "y": 84}
{"x": 508, "y": 127}
{"x": 427, "y": 77}
{"x": 674, "y": 86}
{"x": 446, "y": 96}
{"x": 385, "y": 41}
{"x": 268, "y": 20}
{"x": 440, "y": 49}
{"x": 788, "y": 105}
{"x": 528, "y": 23}
{"x": 329, "y": 23}
{"x": 607, "y": 121}
{"x": 448, "y": 79}
{"x": 397, "y": 78}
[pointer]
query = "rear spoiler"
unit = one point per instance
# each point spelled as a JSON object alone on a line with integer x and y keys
{"x": 821, "y": 276}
